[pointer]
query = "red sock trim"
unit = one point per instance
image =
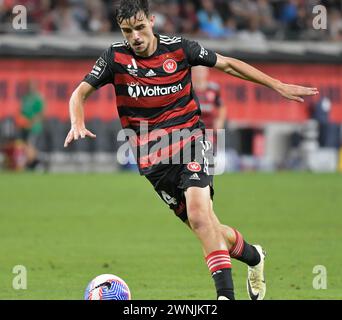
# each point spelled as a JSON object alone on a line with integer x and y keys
{"x": 217, "y": 260}
{"x": 237, "y": 249}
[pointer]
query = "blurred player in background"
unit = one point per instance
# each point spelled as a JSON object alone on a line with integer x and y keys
{"x": 151, "y": 74}
{"x": 30, "y": 122}
{"x": 213, "y": 111}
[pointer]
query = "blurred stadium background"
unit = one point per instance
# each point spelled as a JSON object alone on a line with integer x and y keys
{"x": 264, "y": 133}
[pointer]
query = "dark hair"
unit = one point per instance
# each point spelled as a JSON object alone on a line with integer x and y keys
{"x": 130, "y": 8}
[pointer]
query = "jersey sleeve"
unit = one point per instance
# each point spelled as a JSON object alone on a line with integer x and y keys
{"x": 198, "y": 55}
{"x": 103, "y": 70}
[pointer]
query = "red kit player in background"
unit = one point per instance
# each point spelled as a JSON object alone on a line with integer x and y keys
{"x": 213, "y": 110}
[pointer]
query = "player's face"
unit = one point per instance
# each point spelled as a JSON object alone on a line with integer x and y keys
{"x": 138, "y": 31}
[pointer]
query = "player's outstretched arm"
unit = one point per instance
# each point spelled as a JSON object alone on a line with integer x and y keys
{"x": 76, "y": 109}
{"x": 242, "y": 70}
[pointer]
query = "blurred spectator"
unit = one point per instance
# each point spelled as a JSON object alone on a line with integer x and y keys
{"x": 97, "y": 21}
{"x": 307, "y": 32}
{"x": 173, "y": 17}
{"x": 36, "y": 8}
{"x": 190, "y": 23}
{"x": 157, "y": 9}
{"x": 331, "y": 4}
{"x": 210, "y": 22}
{"x": 222, "y": 6}
{"x": 268, "y": 24}
{"x": 66, "y": 19}
{"x": 289, "y": 12}
{"x": 335, "y": 25}
{"x": 252, "y": 34}
{"x": 277, "y": 19}
{"x": 5, "y": 15}
{"x": 294, "y": 15}
{"x": 243, "y": 11}
{"x": 229, "y": 28}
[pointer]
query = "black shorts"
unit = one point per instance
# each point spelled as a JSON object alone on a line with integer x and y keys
{"x": 172, "y": 180}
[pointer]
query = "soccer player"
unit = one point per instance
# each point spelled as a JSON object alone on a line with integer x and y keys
{"x": 31, "y": 123}
{"x": 151, "y": 74}
{"x": 213, "y": 111}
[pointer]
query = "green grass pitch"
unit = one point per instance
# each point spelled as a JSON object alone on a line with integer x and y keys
{"x": 67, "y": 229}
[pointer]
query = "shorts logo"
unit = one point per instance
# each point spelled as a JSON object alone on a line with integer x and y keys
{"x": 195, "y": 177}
{"x": 194, "y": 167}
{"x": 170, "y": 66}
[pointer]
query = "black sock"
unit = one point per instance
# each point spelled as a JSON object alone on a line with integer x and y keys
{"x": 224, "y": 283}
{"x": 249, "y": 255}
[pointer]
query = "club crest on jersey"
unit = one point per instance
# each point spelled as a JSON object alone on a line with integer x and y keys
{"x": 194, "y": 167}
{"x": 170, "y": 66}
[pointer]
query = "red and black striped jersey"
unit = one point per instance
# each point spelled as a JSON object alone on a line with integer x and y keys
{"x": 210, "y": 102}
{"x": 155, "y": 91}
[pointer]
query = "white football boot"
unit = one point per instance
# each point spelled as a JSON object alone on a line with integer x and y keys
{"x": 256, "y": 285}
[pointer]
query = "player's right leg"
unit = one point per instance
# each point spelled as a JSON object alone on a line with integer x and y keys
{"x": 213, "y": 244}
{"x": 199, "y": 217}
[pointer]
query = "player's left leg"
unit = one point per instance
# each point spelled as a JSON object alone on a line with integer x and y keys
{"x": 238, "y": 247}
{"x": 252, "y": 255}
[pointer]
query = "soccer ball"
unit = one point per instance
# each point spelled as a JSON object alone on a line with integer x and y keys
{"x": 107, "y": 287}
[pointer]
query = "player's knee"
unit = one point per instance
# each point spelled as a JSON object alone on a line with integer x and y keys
{"x": 199, "y": 217}
{"x": 199, "y": 225}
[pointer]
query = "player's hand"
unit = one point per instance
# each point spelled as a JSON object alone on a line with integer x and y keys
{"x": 296, "y": 93}
{"x": 76, "y": 132}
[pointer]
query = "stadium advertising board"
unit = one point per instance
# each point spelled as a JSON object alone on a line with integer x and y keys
{"x": 245, "y": 101}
